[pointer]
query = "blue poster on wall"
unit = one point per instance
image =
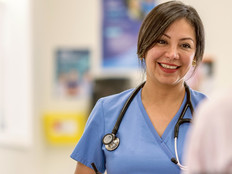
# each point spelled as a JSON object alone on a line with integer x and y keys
{"x": 121, "y": 23}
{"x": 72, "y": 77}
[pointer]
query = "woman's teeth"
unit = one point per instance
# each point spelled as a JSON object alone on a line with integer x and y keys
{"x": 168, "y": 66}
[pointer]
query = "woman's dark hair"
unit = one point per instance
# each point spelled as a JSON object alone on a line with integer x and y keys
{"x": 160, "y": 18}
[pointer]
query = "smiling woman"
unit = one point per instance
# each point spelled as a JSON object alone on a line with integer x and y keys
{"x": 170, "y": 42}
{"x": 172, "y": 55}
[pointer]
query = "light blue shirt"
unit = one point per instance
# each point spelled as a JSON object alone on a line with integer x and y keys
{"x": 141, "y": 149}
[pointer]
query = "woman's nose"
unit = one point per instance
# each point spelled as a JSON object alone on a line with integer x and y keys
{"x": 172, "y": 52}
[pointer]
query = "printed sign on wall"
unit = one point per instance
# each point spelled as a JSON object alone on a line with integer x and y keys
{"x": 72, "y": 73}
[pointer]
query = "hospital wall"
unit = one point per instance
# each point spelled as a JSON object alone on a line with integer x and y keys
{"x": 77, "y": 24}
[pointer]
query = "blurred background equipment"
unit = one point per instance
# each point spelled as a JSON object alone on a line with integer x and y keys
{"x": 107, "y": 86}
{"x": 62, "y": 129}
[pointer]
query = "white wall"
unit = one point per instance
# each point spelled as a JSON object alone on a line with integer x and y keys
{"x": 16, "y": 63}
{"x": 76, "y": 23}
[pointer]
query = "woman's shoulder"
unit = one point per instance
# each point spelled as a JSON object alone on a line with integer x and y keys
{"x": 109, "y": 107}
{"x": 197, "y": 96}
{"x": 116, "y": 99}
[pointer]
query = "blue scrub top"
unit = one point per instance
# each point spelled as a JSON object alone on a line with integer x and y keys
{"x": 141, "y": 149}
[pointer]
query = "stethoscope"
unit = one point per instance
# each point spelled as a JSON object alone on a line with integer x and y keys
{"x": 111, "y": 141}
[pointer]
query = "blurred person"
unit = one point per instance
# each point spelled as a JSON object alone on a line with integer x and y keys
{"x": 133, "y": 131}
{"x": 209, "y": 149}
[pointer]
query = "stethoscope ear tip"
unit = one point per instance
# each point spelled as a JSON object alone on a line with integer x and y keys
{"x": 177, "y": 163}
{"x": 174, "y": 160}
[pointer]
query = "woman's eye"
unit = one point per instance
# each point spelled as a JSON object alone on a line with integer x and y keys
{"x": 161, "y": 41}
{"x": 186, "y": 45}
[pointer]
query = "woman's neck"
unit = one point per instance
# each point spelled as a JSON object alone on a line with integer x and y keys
{"x": 161, "y": 94}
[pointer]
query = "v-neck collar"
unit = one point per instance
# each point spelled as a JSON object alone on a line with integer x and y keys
{"x": 169, "y": 129}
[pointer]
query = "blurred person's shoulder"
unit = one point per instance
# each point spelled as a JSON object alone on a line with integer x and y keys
{"x": 219, "y": 102}
{"x": 220, "y": 98}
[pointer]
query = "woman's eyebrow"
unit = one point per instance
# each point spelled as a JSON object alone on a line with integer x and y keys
{"x": 167, "y": 35}
{"x": 188, "y": 38}
{"x": 185, "y": 38}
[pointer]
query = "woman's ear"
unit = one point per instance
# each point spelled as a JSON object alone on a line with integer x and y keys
{"x": 194, "y": 62}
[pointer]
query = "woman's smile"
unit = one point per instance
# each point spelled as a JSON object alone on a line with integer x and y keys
{"x": 168, "y": 68}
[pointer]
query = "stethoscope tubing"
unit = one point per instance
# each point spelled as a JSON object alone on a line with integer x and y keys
{"x": 110, "y": 140}
{"x": 180, "y": 121}
{"x": 125, "y": 107}
{"x": 177, "y": 157}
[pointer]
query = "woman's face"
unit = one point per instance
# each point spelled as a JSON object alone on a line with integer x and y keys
{"x": 168, "y": 61}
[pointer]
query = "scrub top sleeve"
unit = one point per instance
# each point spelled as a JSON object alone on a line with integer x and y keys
{"x": 89, "y": 148}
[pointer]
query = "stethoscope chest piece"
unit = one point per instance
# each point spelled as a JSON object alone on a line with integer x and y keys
{"x": 110, "y": 141}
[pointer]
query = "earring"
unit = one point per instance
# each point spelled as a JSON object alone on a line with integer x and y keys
{"x": 194, "y": 63}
